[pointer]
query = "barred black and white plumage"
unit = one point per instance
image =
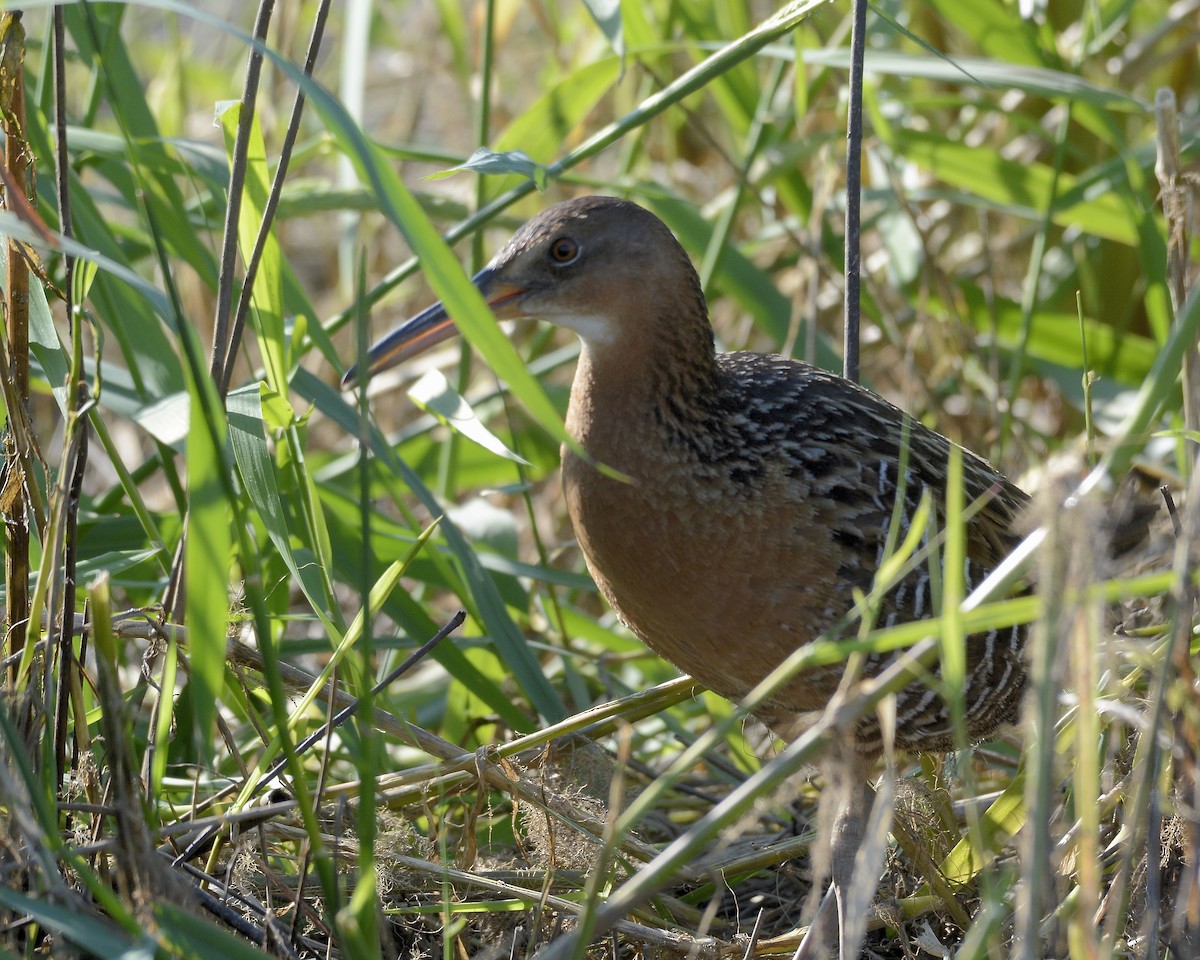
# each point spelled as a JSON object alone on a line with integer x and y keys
{"x": 844, "y": 445}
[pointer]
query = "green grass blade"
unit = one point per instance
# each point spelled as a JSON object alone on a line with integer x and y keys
{"x": 247, "y": 435}
{"x": 208, "y": 550}
{"x": 87, "y": 931}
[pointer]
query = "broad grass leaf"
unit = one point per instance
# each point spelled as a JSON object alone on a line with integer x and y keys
{"x": 247, "y": 436}
{"x": 1022, "y": 189}
{"x": 433, "y": 393}
{"x": 208, "y": 549}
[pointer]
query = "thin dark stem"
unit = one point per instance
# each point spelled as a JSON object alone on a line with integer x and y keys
{"x": 62, "y": 170}
{"x": 225, "y": 374}
{"x": 392, "y": 676}
{"x": 76, "y": 466}
{"x": 1172, "y": 509}
{"x": 173, "y": 596}
{"x": 235, "y": 919}
{"x": 78, "y": 393}
{"x": 237, "y": 180}
{"x": 854, "y": 128}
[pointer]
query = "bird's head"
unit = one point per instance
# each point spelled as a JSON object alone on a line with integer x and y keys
{"x": 605, "y": 268}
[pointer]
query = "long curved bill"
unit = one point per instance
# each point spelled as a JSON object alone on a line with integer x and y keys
{"x": 431, "y": 326}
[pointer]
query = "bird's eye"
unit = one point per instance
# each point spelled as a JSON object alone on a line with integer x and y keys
{"x": 564, "y": 250}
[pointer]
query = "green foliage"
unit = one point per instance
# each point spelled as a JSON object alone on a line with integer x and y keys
{"x": 1010, "y": 202}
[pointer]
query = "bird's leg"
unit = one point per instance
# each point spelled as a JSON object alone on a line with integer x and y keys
{"x": 844, "y": 817}
{"x": 849, "y": 827}
{"x": 861, "y": 877}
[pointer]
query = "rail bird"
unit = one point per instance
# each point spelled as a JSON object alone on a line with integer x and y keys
{"x": 757, "y": 492}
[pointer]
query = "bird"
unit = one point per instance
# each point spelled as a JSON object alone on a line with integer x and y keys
{"x": 750, "y": 496}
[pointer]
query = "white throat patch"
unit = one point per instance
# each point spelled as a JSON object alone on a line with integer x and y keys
{"x": 593, "y": 329}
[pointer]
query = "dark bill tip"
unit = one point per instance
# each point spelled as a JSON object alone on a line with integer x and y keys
{"x": 414, "y": 336}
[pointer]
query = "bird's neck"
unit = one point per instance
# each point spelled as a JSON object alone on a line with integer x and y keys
{"x": 632, "y": 399}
